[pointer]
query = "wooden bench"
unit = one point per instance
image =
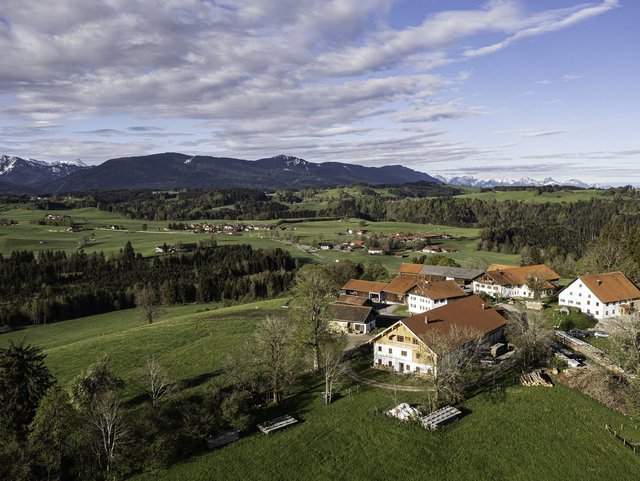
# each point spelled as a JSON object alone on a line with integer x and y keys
{"x": 276, "y": 424}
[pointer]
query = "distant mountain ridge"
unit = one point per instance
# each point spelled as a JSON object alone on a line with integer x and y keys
{"x": 175, "y": 170}
{"x": 22, "y": 174}
{"x": 470, "y": 181}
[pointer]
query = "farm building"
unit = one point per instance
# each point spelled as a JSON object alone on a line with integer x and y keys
{"x": 407, "y": 345}
{"x": 396, "y": 291}
{"x": 367, "y": 289}
{"x": 513, "y": 281}
{"x": 601, "y": 295}
{"x": 350, "y": 318}
{"x": 429, "y": 295}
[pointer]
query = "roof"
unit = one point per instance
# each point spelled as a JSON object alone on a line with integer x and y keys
{"x": 352, "y": 300}
{"x": 345, "y": 313}
{"x": 515, "y": 276}
{"x": 611, "y": 286}
{"x": 497, "y": 267}
{"x": 400, "y": 285}
{"x": 454, "y": 272}
{"x": 367, "y": 286}
{"x": 407, "y": 268}
{"x": 469, "y": 312}
{"x": 439, "y": 290}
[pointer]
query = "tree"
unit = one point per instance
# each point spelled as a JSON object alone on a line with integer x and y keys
{"x": 94, "y": 381}
{"x": 536, "y": 282}
{"x": 454, "y": 353}
{"x": 51, "y": 433}
{"x": 345, "y": 270}
{"x": 148, "y": 304}
{"x": 527, "y": 332}
{"x": 156, "y": 380}
{"x": 333, "y": 369}
{"x": 625, "y": 341}
{"x": 313, "y": 291}
{"x": 24, "y": 380}
{"x": 374, "y": 271}
{"x": 276, "y": 359}
{"x": 106, "y": 418}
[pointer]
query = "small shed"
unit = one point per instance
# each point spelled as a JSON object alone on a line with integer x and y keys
{"x": 441, "y": 417}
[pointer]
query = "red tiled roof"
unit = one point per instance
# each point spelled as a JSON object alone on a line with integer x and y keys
{"x": 439, "y": 290}
{"x": 407, "y": 268}
{"x": 611, "y": 287}
{"x": 514, "y": 276}
{"x": 367, "y": 286}
{"x": 400, "y": 285}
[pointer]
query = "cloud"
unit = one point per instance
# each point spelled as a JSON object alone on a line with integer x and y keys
{"x": 570, "y": 77}
{"x": 543, "y": 133}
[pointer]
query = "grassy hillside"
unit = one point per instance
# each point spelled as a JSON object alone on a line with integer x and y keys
{"x": 533, "y": 196}
{"x": 191, "y": 344}
{"x": 517, "y": 434}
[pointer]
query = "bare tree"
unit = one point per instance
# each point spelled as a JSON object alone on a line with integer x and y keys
{"x": 536, "y": 282}
{"x": 625, "y": 341}
{"x": 454, "y": 353}
{"x": 148, "y": 304}
{"x": 156, "y": 380}
{"x": 527, "y": 332}
{"x": 276, "y": 359}
{"x": 333, "y": 368}
{"x": 105, "y": 415}
{"x": 314, "y": 290}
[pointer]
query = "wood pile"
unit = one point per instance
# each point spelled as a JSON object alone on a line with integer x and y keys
{"x": 276, "y": 424}
{"x": 535, "y": 378}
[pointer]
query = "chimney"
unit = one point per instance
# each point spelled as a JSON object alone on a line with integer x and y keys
{"x": 599, "y": 282}
{"x": 426, "y": 319}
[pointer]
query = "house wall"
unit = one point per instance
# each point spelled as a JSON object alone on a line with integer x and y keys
{"x": 400, "y": 351}
{"x": 579, "y": 295}
{"x": 344, "y": 326}
{"x": 419, "y": 304}
{"x": 496, "y": 290}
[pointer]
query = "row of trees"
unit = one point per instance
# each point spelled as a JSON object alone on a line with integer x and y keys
{"x": 53, "y": 285}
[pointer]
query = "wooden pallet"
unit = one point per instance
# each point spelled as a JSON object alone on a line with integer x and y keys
{"x": 276, "y": 424}
{"x": 441, "y": 417}
{"x": 535, "y": 378}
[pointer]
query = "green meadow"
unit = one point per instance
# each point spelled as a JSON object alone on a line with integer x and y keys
{"x": 28, "y": 235}
{"x": 533, "y": 196}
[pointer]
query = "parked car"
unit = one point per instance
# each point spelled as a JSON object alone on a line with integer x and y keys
{"x": 600, "y": 334}
{"x": 577, "y": 333}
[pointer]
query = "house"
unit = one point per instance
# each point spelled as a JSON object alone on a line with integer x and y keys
{"x": 407, "y": 269}
{"x": 326, "y": 246}
{"x": 352, "y": 318}
{"x": 429, "y": 295}
{"x": 396, "y": 291}
{"x": 601, "y": 295}
{"x": 357, "y": 244}
{"x": 407, "y": 346}
{"x": 512, "y": 281}
{"x": 367, "y": 289}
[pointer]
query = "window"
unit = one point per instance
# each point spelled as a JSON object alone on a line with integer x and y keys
{"x": 415, "y": 341}
{"x": 417, "y": 369}
{"x": 379, "y": 348}
{"x": 390, "y": 364}
{"x": 407, "y": 368}
{"x": 418, "y": 355}
{"x": 606, "y": 313}
{"x": 589, "y": 296}
{"x": 379, "y": 361}
{"x": 400, "y": 338}
{"x": 588, "y": 303}
{"x": 403, "y": 353}
{"x": 390, "y": 350}
{"x": 597, "y": 303}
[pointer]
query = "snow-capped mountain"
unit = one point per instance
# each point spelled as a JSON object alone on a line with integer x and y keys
{"x": 471, "y": 181}
{"x": 31, "y": 172}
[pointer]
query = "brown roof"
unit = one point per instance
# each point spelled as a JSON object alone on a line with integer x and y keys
{"x": 611, "y": 287}
{"x": 357, "y": 242}
{"x": 345, "y": 313}
{"x": 367, "y": 286}
{"x": 407, "y": 268}
{"x": 469, "y": 312}
{"x": 514, "y": 276}
{"x": 400, "y": 285}
{"x": 352, "y": 300}
{"x": 439, "y": 290}
{"x": 497, "y": 267}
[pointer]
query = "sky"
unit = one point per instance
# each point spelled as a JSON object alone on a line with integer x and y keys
{"x": 498, "y": 88}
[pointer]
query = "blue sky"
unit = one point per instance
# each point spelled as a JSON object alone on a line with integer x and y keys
{"x": 502, "y": 88}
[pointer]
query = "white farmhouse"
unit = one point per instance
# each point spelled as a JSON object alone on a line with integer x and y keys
{"x": 429, "y": 295}
{"x": 521, "y": 282}
{"x": 601, "y": 295}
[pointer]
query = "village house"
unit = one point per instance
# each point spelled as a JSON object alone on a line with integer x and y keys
{"x": 353, "y": 318}
{"x": 601, "y": 295}
{"x": 404, "y": 347}
{"x": 517, "y": 282}
{"x": 428, "y": 295}
{"x": 354, "y": 301}
{"x": 396, "y": 291}
{"x": 366, "y": 289}
{"x": 356, "y": 244}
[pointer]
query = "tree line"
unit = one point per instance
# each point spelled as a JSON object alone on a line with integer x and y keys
{"x": 54, "y": 285}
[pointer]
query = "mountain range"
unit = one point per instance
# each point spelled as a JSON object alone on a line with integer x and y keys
{"x": 470, "y": 181}
{"x": 175, "y": 170}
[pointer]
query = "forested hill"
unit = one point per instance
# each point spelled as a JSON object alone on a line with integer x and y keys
{"x": 174, "y": 170}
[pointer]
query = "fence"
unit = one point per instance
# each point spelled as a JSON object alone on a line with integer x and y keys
{"x": 634, "y": 446}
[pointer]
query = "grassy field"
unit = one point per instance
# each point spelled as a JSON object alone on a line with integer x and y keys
{"x": 515, "y": 434}
{"x": 28, "y": 235}
{"x": 533, "y": 196}
{"x": 191, "y": 344}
